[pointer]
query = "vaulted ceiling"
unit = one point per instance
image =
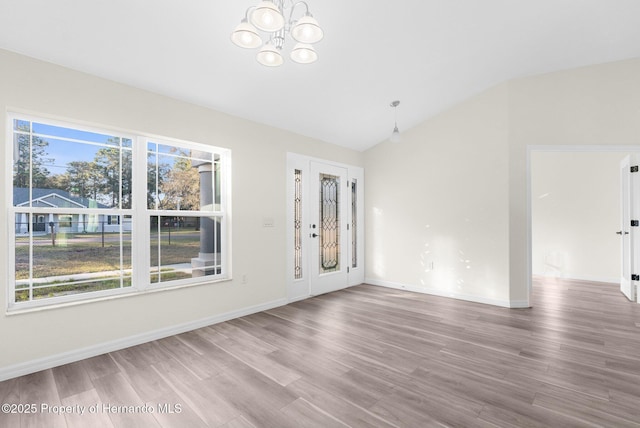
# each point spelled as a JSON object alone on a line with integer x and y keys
{"x": 429, "y": 54}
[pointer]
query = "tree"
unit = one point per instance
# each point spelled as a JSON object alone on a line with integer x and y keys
{"x": 157, "y": 174}
{"x": 83, "y": 179}
{"x": 37, "y": 155}
{"x": 58, "y": 181}
{"x": 115, "y": 175}
{"x": 180, "y": 188}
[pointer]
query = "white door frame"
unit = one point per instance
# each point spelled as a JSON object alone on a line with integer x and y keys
{"x": 300, "y": 288}
{"x": 628, "y": 235}
{"x": 560, "y": 148}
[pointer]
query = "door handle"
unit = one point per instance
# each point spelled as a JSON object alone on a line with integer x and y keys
{"x": 313, "y": 235}
{"x": 620, "y": 233}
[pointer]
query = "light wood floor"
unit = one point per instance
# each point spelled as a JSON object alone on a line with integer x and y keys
{"x": 369, "y": 357}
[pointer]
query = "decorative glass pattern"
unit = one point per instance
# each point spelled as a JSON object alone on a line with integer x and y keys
{"x": 329, "y": 223}
{"x": 354, "y": 223}
{"x": 297, "y": 224}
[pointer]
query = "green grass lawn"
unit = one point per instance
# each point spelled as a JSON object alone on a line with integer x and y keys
{"x": 58, "y": 288}
{"x": 84, "y": 253}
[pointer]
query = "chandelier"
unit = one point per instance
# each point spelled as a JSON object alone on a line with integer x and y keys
{"x": 269, "y": 17}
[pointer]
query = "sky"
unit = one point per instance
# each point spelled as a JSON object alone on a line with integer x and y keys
{"x": 66, "y": 145}
{"x": 63, "y": 149}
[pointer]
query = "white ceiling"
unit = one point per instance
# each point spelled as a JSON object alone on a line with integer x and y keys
{"x": 429, "y": 54}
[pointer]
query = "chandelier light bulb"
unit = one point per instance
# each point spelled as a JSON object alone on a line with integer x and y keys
{"x": 303, "y": 53}
{"x": 246, "y": 36}
{"x": 307, "y": 30}
{"x": 395, "y": 135}
{"x": 270, "y": 56}
{"x": 267, "y": 17}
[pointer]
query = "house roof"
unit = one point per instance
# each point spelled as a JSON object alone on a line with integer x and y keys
{"x": 55, "y": 197}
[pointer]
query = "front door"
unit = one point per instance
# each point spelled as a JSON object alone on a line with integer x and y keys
{"x": 627, "y": 285}
{"x": 328, "y": 228}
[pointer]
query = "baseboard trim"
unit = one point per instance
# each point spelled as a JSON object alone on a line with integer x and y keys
{"x": 436, "y": 292}
{"x": 608, "y": 279}
{"x": 298, "y": 298}
{"x": 48, "y": 362}
{"x": 519, "y": 304}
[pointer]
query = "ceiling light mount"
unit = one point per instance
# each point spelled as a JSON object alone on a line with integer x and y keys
{"x": 269, "y": 17}
{"x": 395, "y": 135}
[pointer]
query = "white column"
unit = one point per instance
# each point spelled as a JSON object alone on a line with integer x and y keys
{"x": 206, "y": 257}
{"x": 23, "y": 223}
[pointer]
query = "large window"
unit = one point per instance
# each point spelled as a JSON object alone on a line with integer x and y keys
{"x": 98, "y": 212}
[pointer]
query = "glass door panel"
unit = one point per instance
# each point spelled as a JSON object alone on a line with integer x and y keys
{"x": 329, "y": 227}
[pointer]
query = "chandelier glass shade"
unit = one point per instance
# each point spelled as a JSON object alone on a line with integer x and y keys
{"x": 307, "y": 30}
{"x": 246, "y": 35}
{"x": 269, "y": 17}
{"x": 395, "y": 135}
{"x": 303, "y": 53}
{"x": 270, "y": 56}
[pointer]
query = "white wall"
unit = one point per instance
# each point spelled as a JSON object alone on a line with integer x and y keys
{"x": 437, "y": 218}
{"x": 455, "y": 188}
{"x": 259, "y": 189}
{"x": 575, "y": 211}
{"x": 589, "y": 106}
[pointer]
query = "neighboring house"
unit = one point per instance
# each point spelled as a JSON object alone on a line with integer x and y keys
{"x": 56, "y": 198}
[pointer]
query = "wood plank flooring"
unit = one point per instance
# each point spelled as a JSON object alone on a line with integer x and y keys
{"x": 366, "y": 357}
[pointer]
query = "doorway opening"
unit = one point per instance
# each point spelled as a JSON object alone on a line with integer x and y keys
{"x": 574, "y": 212}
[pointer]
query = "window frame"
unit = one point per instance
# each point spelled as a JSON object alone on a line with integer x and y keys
{"x": 138, "y": 212}
{"x": 225, "y": 173}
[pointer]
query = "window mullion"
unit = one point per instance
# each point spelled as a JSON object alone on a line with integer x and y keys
{"x": 141, "y": 234}
{"x": 225, "y": 204}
